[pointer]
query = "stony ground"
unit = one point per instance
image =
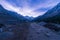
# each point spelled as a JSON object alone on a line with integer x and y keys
{"x": 38, "y": 32}
{"x": 28, "y": 31}
{"x": 14, "y": 31}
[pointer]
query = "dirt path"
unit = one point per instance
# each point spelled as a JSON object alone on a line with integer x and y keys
{"x": 38, "y": 32}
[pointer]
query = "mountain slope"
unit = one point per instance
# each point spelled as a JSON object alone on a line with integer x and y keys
{"x": 53, "y": 15}
{"x": 9, "y": 16}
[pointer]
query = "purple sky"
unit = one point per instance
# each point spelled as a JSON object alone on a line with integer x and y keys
{"x": 30, "y": 8}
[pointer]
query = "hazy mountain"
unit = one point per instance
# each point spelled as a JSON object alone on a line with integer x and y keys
{"x": 29, "y": 18}
{"x": 9, "y": 16}
{"x": 52, "y": 15}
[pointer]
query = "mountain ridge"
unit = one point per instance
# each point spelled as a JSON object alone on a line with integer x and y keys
{"x": 6, "y": 16}
{"x": 52, "y": 14}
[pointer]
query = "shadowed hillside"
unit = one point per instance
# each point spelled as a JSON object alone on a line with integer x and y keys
{"x": 12, "y": 25}
{"x": 52, "y": 15}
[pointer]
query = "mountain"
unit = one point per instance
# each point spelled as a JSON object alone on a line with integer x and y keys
{"x": 12, "y": 25}
{"x": 29, "y": 18}
{"x": 52, "y": 15}
{"x": 7, "y": 16}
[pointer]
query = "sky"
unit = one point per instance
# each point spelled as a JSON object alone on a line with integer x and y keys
{"x": 31, "y": 8}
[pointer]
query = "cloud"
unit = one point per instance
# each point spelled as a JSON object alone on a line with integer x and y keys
{"x": 29, "y": 7}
